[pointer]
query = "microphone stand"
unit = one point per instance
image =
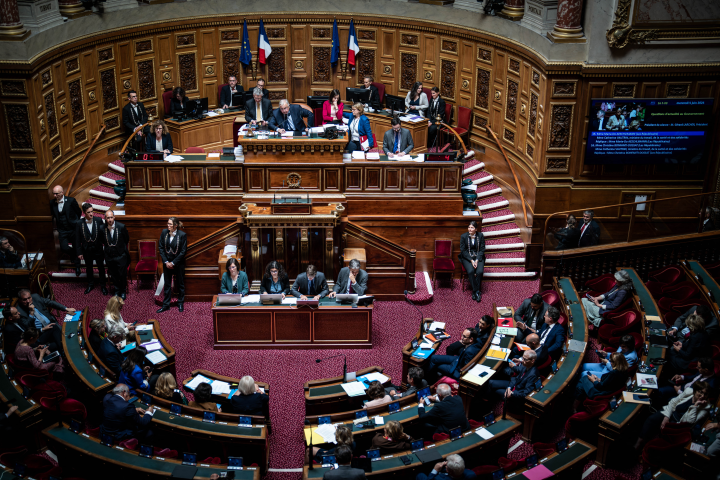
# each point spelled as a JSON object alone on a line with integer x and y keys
{"x": 310, "y": 454}
{"x": 422, "y": 319}
{"x": 504, "y": 408}
{"x": 344, "y": 363}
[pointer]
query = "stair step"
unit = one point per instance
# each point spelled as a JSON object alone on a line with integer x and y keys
{"x": 117, "y": 168}
{"x": 102, "y": 194}
{"x": 501, "y": 233}
{"x": 483, "y": 180}
{"x": 519, "y": 273}
{"x": 473, "y": 168}
{"x": 107, "y": 180}
{"x": 493, "y": 206}
{"x": 505, "y": 246}
{"x": 498, "y": 219}
{"x": 489, "y": 193}
{"x": 505, "y": 261}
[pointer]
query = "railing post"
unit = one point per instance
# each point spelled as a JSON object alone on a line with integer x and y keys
{"x": 632, "y": 222}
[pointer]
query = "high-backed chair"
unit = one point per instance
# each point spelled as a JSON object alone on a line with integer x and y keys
{"x": 220, "y": 87}
{"x": 584, "y": 421}
{"x": 381, "y": 91}
{"x": 601, "y": 284}
{"x": 551, "y": 297}
{"x": 463, "y": 123}
{"x": 194, "y": 150}
{"x": 443, "y": 262}
{"x": 147, "y": 260}
{"x": 664, "y": 277}
{"x": 427, "y": 91}
{"x": 167, "y": 98}
{"x": 619, "y": 324}
{"x": 677, "y": 294}
{"x": 317, "y": 117}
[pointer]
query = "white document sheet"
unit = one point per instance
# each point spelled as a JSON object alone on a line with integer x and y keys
{"x": 156, "y": 357}
{"x": 327, "y": 432}
{"x": 354, "y": 389}
{"x": 230, "y": 250}
{"x": 212, "y": 114}
{"x": 379, "y": 420}
{"x": 250, "y": 299}
{"x": 289, "y": 301}
{"x": 373, "y": 156}
{"x": 173, "y": 158}
{"x": 152, "y": 346}
{"x": 484, "y": 433}
{"x": 192, "y": 384}
{"x": 358, "y": 155}
{"x": 141, "y": 328}
{"x": 377, "y": 376}
{"x": 219, "y": 387}
{"x": 437, "y": 326}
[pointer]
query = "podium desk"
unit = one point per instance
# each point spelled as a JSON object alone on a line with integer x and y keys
{"x": 275, "y": 148}
{"x": 210, "y": 132}
{"x": 254, "y": 326}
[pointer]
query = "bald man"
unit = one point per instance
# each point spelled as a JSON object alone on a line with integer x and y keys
{"x": 66, "y": 212}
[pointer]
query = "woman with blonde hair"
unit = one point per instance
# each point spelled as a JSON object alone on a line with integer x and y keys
{"x": 159, "y": 141}
{"x": 393, "y": 439}
{"x": 695, "y": 344}
{"x": 166, "y": 387}
{"x": 343, "y": 436}
{"x": 358, "y": 128}
{"x": 249, "y": 399}
{"x": 591, "y": 386}
{"x": 113, "y": 316}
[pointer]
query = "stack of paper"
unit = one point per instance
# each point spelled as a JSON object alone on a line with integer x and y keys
{"x": 473, "y": 376}
{"x": 496, "y": 340}
{"x": 420, "y": 157}
{"x": 152, "y": 345}
{"x": 437, "y": 326}
{"x": 289, "y": 301}
{"x": 141, "y": 328}
{"x": 498, "y": 353}
{"x": 212, "y": 114}
{"x": 287, "y": 134}
{"x": 317, "y": 130}
{"x": 522, "y": 347}
{"x": 354, "y": 389}
{"x": 173, "y": 158}
{"x": 219, "y": 387}
{"x": 358, "y": 155}
{"x": 471, "y": 213}
{"x": 347, "y": 157}
{"x": 156, "y": 357}
{"x": 192, "y": 384}
{"x": 230, "y": 250}
{"x": 403, "y": 158}
{"x": 327, "y": 432}
{"x": 373, "y": 156}
{"x": 504, "y": 311}
{"x": 214, "y": 155}
{"x": 250, "y": 299}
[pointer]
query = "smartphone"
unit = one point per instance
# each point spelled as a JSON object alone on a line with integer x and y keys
{"x": 532, "y": 460}
{"x": 613, "y": 404}
{"x": 482, "y": 374}
{"x": 328, "y": 460}
{"x": 489, "y": 419}
{"x": 554, "y": 367}
{"x": 406, "y": 459}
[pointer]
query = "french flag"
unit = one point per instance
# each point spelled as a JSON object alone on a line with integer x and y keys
{"x": 353, "y": 48}
{"x": 264, "y": 48}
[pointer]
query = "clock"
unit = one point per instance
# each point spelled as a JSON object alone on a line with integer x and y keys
{"x": 149, "y": 156}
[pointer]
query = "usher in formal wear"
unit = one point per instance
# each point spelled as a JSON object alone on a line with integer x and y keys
{"x": 66, "y": 213}
{"x": 172, "y": 249}
{"x": 117, "y": 258}
{"x": 89, "y": 244}
{"x": 473, "y": 249}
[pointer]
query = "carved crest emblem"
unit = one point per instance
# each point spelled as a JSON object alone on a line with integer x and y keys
{"x": 293, "y": 180}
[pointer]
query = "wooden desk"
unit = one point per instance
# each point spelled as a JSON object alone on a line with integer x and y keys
{"x": 146, "y": 336}
{"x": 407, "y": 351}
{"x": 117, "y": 463}
{"x": 539, "y": 404}
{"x": 255, "y": 326}
{"x": 210, "y": 132}
{"x": 473, "y": 448}
{"x": 11, "y": 393}
{"x": 297, "y": 149}
{"x": 380, "y": 123}
{"x": 326, "y": 396}
{"x": 86, "y": 374}
{"x": 707, "y": 284}
{"x": 614, "y": 426}
{"x": 566, "y": 465}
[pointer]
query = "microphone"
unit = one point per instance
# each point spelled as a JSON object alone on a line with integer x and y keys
{"x": 422, "y": 319}
{"x": 344, "y": 363}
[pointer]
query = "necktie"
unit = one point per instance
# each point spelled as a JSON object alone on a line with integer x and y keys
{"x": 40, "y": 320}
{"x": 397, "y": 142}
{"x": 311, "y": 290}
{"x": 544, "y": 336}
{"x": 582, "y": 230}
{"x": 258, "y": 112}
{"x": 287, "y": 124}
{"x": 350, "y": 289}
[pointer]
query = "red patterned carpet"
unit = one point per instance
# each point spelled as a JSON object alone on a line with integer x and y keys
{"x": 190, "y": 333}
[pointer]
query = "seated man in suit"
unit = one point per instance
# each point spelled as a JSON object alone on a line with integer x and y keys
{"x": 343, "y": 457}
{"x": 711, "y": 322}
{"x": 34, "y": 311}
{"x": 289, "y": 118}
{"x": 107, "y": 350}
{"x": 447, "y": 412}
{"x": 121, "y": 419}
{"x": 450, "y": 365}
{"x": 310, "y": 284}
{"x": 627, "y": 348}
{"x": 397, "y": 141}
{"x": 261, "y": 85}
{"x": 9, "y": 258}
{"x": 414, "y": 379}
{"x": 552, "y": 334}
{"x": 705, "y": 372}
{"x": 532, "y": 341}
{"x": 227, "y": 92}
{"x": 589, "y": 230}
{"x": 451, "y": 469}
{"x": 523, "y": 381}
{"x": 13, "y": 329}
{"x": 351, "y": 280}
{"x": 529, "y": 316}
{"x": 258, "y": 109}
{"x": 484, "y": 328}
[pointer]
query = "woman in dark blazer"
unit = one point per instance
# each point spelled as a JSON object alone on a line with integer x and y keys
{"x": 179, "y": 101}
{"x": 472, "y": 256}
{"x": 159, "y": 139}
{"x": 436, "y": 109}
{"x": 590, "y": 386}
{"x": 249, "y": 399}
{"x": 275, "y": 279}
{"x": 173, "y": 247}
{"x": 695, "y": 345}
{"x": 596, "y": 307}
{"x": 234, "y": 280}
{"x": 567, "y": 237}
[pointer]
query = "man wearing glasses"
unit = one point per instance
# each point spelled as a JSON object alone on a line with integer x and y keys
{"x": 450, "y": 365}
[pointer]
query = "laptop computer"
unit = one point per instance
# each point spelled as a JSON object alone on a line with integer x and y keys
{"x": 229, "y": 299}
{"x": 346, "y": 297}
{"x": 271, "y": 298}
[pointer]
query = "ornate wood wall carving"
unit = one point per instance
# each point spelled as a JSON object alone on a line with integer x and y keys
{"x": 484, "y": 55}
{"x": 366, "y": 64}
{"x": 321, "y": 93}
{"x": 13, "y": 88}
{"x": 449, "y": 46}
{"x": 480, "y": 121}
{"x": 322, "y": 69}
{"x": 143, "y": 46}
{"x": 482, "y": 88}
{"x": 278, "y": 95}
{"x": 76, "y": 101}
{"x": 322, "y": 33}
{"x": 532, "y": 116}
{"x": 50, "y": 115}
{"x": 623, "y": 90}
{"x": 677, "y": 90}
{"x": 509, "y": 135}
{"x": 109, "y": 89}
{"x": 447, "y": 83}
{"x": 557, "y": 164}
{"x": 409, "y": 40}
{"x": 105, "y": 55}
{"x": 564, "y": 89}
{"x": 55, "y": 152}
{"x": 275, "y": 33}
{"x": 151, "y": 110}
{"x": 24, "y": 166}
{"x": 146, "y": 80}
{"x": 536, "y": 78}
{"x": 561, "y": 115}
{"x": 185, "y": 40}
{"x": 366, "y": 35}
{"x": 111, "y": 123}
{"x": 514, "y": 65}
{"x": 276, "y": 65}
{"x": 80, "y": 136}
{"x": 17, "y": 117}
{"x": 46, "y": 78}
{"x": 230, "y": 36}
{"x": 188, "y": 71}
{"x": 72, "y": 65}
{"x": 230, "y": 63}
{"x": 511, "y": 106}
{"x": 408, "y": 66}
{"x": 529, "y": 150}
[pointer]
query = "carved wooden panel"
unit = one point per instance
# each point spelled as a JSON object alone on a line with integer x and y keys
{"x": 46, "y": 78}
{"x": 565, "y": 88}
{"x": 72, "y": 65}
{"x": 332, "y": 179}
{"x": 366, "y": 35}
{"x": 322, "y": 33}
{"x": 409, "y": 40}
{"x": 561, "y": 116}
{"x": 480, "y": 121}
{"x": 275, "y": 33}
{"x": 373, "y": 179}
{"x": 529, "y": 150}
{"x": 532, "y": 117}
{"x": 152, "y": 109}
{"x": 557, "y": 164}
{"x": 484, "y": 55}
{"x": 431, "y": 179}
{"x": 392, "y": 179}
{"x": 278, "y": 94}
{"x": 256, "y": 179}
{"x": 146, "y": 79}
{"x": 511, "y": 105}
{"x": 353, "y": 179}
{"x": 111, "y": 123}
{"x": 143, "y": 46}
{"x": 230, "y": 63}
{"x": 234, "y": 178}
{"x": 176, "y": 178}
{"x": 450, "y": 179}
{"x": 55, "y": 153}
{"x": 50, "y": 115}
{"x": 156, "y": 178}
{"x": 105, "y": 55}
{"x": 136, "y": 178}
{"x": 228, "y": 36}
{"x": 76, "y": 101}
{"x": 321, "y": 93}
{"x": 195, "y": 178}
{"x": 24, "y": 166}
{"x": 366, "y": 64}
{"x": 623, "y": 90}
{"x": 186, "y": 39}
{"x": 411, "y": 179}
{"x": 409, "y": 68}
{"x": 13, "y": 88}
{"x": 447, "y": 80}
{"x": 187, "y": 69}
{"x": 509, "y": 135}
{"x": 482, "y": 89}
{"x": 17, "y": 117}
{"x": 214, "y": 178}
{"x": 321, "y": 69}
{"x": 80, "y": 137}
{"x": 513, "y": 64}
{"x": 536, "y": 78}
{"x": 109, "y": 89}
{"x": 448, "y": 46}
{"x": 276, "y": 65}
{"x": 677, "y": 90}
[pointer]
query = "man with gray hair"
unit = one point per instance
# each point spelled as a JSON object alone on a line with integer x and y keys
{"x": 121, "y": 419}
{"x": 258, "y": 109}
{"x": 447, "y": 412}
{"x": 8, "y": 256}
{"x": 289, "y": 118}
{"x": 351, "y": 280}
{"x": 108, "y": 351}
{"x": 523, "y": 381}
{"x": 589, "y": 230}
{"x": 451, "y": 469}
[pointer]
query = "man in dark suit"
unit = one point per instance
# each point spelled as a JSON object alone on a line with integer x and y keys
{"x": 484, "y": 329}
{"x": 532, "y": 341}
{"x": 397, "y": 140}
{"x": 227, "y": 92}
{"x": 343, "y": 457}
{"x": 552, "y": 334}
{"x": 436, "y": 109}
{"x": 261, "y": 85}
{"x": 107, "y": 351}
{"x": 121, "y": 419}
{"x": 89, "y": 246}
{"x": 13, "y": 329}
{"x": 529, "y": 316}
{"x": 9, "y": 257}
{"x": 447, "y": 412}
{"x": 589, "y": 230}
{"x": 598, "y": 123}
{"x": 258, "y": 110}
{"x": 134, "y": 116}
{"x": 374, "y": 99}
{"x": 115, "y": 240}
{"x": 450, "y": 365}
{"x": 451, "y": 469}
{"x": 288, "y": 118}
{"x": 66, "y": 212}
{"x": 173, "y": 246}
{"x": 310, "y": 284}
{"x": 351, "y": 280}
{"x": 523, "y": 381}
{"x": 415, "y": 381}
{"x": 34, "y": 311}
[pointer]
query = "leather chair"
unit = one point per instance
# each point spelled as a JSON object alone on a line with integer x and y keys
{"x": 584, "y": 421}
{"x": 317, "y": 117}
{"x": 147, "y": 260}
{"x": 551, "y": 297}
{"x": 617, "y": 325}
{"x": 677, "y": 294}
{"x": 167, "y": 98}
{"x": 463, "y": 123}
{"x": 220, "y": 87}
{"x": 662, "y": 278}
{"x": 601, "y": 284}
{"x": 443, "y": 262}
{"x": 381, "y": 91}
{"x": 666, "y": 450}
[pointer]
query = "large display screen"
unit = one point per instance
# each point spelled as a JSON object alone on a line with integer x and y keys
{"x": 648, "y": 131}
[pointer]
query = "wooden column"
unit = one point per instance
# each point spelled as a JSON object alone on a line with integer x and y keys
{"x": 329, "y": 246}
{"x": 304, "y": 249}
{"x": 280, "y": 244}
{"x": 255, "y": 254}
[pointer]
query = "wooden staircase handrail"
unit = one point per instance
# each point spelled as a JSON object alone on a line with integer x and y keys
{"x": 226, "y": 230}
{"x": 395, "y": 246}
{"x": 127, "y": 142}
{"x": 82, "y": 162}
{"x": 457, "y": 136}
{"x": 517, "y": 182}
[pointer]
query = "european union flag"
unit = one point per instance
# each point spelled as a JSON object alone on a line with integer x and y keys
{"x": 245, "y": 52}
{"x": 335, "y": 49}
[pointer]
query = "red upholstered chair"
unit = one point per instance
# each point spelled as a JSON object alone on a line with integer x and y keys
{"x": 551, "y": 297}
{"x": 663, "y": 277}
{"x": 509, "y": 465}
{"x": 147, "y": 260}
{"x": 545, "y": 366}
{"x": 581, "y": 421}
{"x": 167, "y": 98}
{"x": 665, "y": 450}
{"x": 676, "y": 294}
{"x": 451, "y": 382}
{"x": 474, "y": 423}
{"x": 614, "y": 342}
{"x": 442, "y": 262}
{"x": 213, "y": 460}
{"x": 448, "y": 112}
{"x": 713, "y": 270}
{"x": 130, "y": 444}
{"x": 381, "y": 91}
{"x": 165, "y": 452}
{"x": 194, "y": 150}
{"x": 601, "y": 284}
{"x": 437, "y": 437}
{"x": 563, "y": 320}
{"x": 484, "y": 471}
{"x": 74, "y": 409}
{"x": 317, "y": 117}
{"x": 544, "y": 449}
{"x": 463, "y": 123}
{"x": 37, "y": 464}
{"x": 619, "y": 324}
{"x": 428, "y": 93}
{"x": 220, "y": 87}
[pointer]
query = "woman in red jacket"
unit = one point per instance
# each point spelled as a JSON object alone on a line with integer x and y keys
{"x": 333, "y": 108}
